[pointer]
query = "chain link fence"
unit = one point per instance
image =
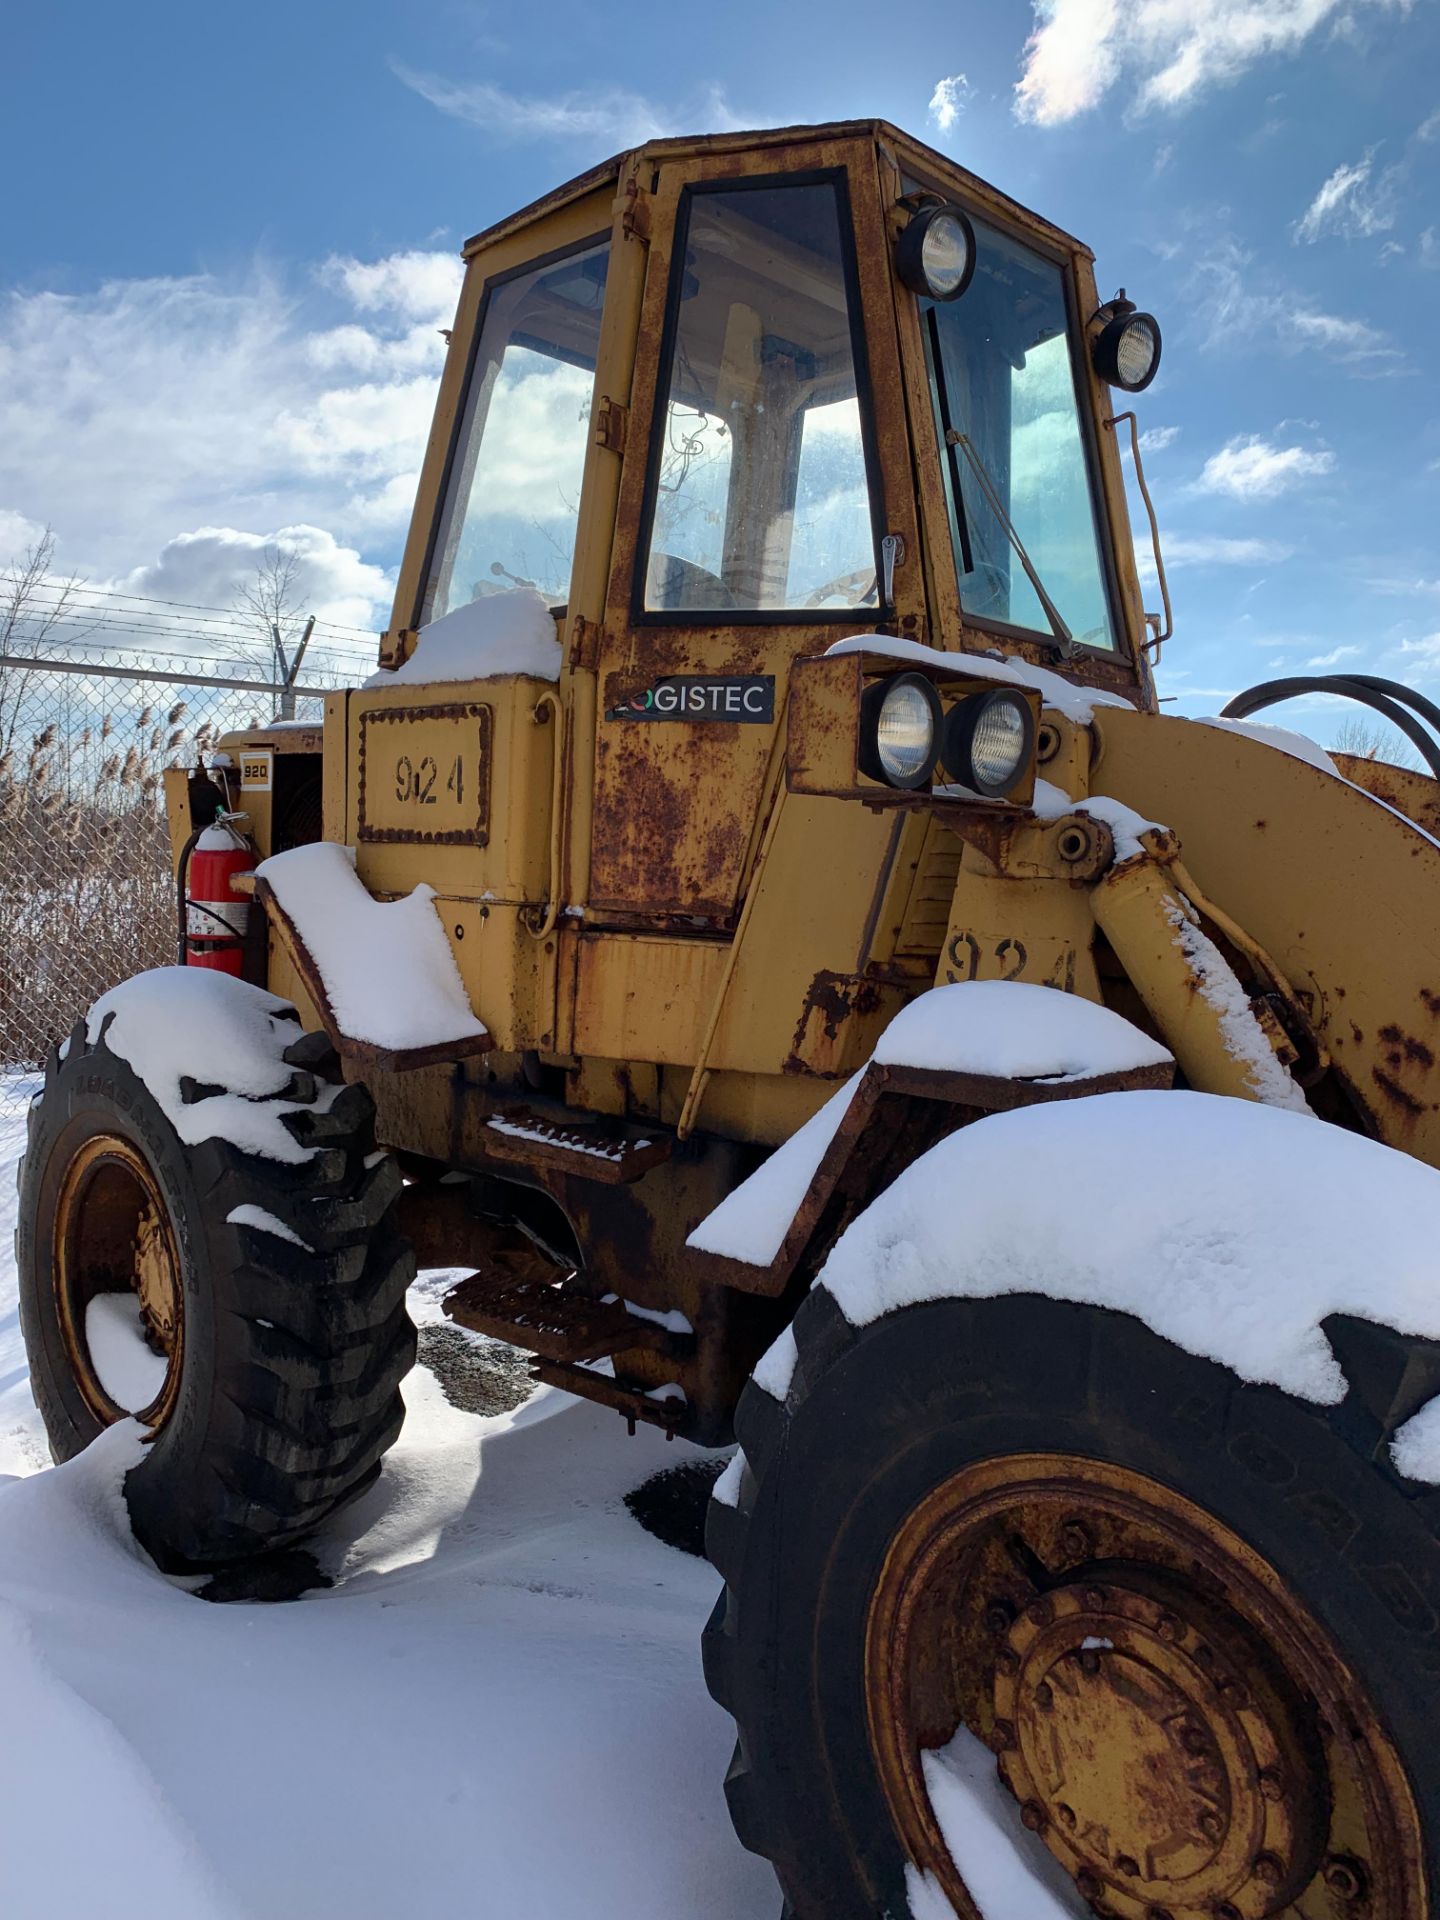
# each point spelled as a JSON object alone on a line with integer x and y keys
{"x": 86, "y": 892}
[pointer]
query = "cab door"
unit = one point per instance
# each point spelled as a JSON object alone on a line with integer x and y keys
{"x": 755, "y": 499}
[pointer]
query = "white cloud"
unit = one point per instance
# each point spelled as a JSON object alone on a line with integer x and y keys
{"x": 947, "y": 100}
{"x": 210, "y": 567}
{"x": 1237, "y": 297}
{"x": 16, "y": 535}
{"x": 415, "y": 285}
{"x": 1353, "y": 203}
{"x": 1208, "y": 550}
{"x": 1156, "y": 439}
{"x": 605, "y": 116}
{"x": 1166, "y": 51}
{"x": 1429, "y": 248}
{"x": 1334, "y": 657}
{"x": 144, "y": 407}
{"x": 1429, "y": 129}
{"x": 1249, "y": 468}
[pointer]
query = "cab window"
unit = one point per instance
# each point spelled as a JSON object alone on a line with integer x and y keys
{"x": 759, "y": 498}
{"x": 512, "y": 501}
{"x": 1002, "y": 376}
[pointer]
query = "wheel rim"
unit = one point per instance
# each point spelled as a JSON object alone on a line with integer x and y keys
{"x": 115, "y": 1243}
{"x": 1172, "y": 1722}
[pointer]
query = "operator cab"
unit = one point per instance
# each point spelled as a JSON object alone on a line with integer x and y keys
{"x": 831, "y": 317}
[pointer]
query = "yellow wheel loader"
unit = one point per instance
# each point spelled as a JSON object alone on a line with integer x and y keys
{"x": 760, "y": 831}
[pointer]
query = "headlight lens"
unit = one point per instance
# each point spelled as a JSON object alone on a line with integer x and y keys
{"x": 900, "y": 730}
{"x": 1127, "y": 351}
{"x": 935, "y": 255}
{"x": 989, "y": 739}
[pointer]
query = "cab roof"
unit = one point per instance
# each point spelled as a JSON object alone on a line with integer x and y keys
{"x": 913, "y": 154}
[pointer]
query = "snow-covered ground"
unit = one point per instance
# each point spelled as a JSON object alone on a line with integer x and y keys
{"x": 497, "y": 1710}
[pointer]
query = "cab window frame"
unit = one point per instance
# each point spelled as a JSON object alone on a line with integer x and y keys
{"x": 691, "y": 617}
{"x": 490, "y": 287}
{"x": 1090, "y": 428}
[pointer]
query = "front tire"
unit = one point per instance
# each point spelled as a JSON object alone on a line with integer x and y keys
{"x": 270, "y": 1296}
{"x": 1042, "y": 1523}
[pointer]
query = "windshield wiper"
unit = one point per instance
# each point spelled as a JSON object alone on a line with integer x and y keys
{"x": 1064, "y": 639}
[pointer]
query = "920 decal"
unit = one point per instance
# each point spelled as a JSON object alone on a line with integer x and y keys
{"x": 740, "y": 698}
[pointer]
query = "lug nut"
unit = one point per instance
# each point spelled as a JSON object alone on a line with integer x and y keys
{"x": 1089, "y": 1660}
{"x": 1065, "y": 1815}
{"x": 1095, "y": 1598}
{"x": 998, "y": 1616}
{"x": 1193, "y": 1740}
{"x": 1007, "y": 1660}
{"x": 1124, "y": 1864}
{"x": 1033, "y": 1817}
{"x": 1002, "y": 1736}
{"x": 1040, "y": 1613}
{"x": 1211, "y": 1825}
{"x": 1076, "y": 1541}
{"x": 1168, "y": 1627}
{"x": 1087, "y": 1886}
{"x": 1271, "y": 1783}
{"x": 1269, "y": 1870}
{"x": 1044, "y": 1697}
{"x": 1344, "y": 1876}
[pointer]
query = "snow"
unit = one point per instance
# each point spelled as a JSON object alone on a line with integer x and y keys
{"x": 1063, "y": 696}
{"x": 387, "y": 966}
{"x": 500, "y": 633}
{"x": 751, "y": 1222}
{"x": 1016, "y": 1031}
{"x": 249, "y": 1215}
{"x": 1415, "y": 1448}
{"x": 1297, "y": 745}
{"x": 1241, "y": 1032}
{"x": 727, "y": 1488}
{"x": 498, "y": 1708}
{"x": 1264, "y": 1223}
{"x": 1008, "y": 1871}
{"x": 174, "y": 1022}
{"x": 124, "y": 1365}
{"x": 1007, "y": 1028}
{"x": 1126, "y": 825}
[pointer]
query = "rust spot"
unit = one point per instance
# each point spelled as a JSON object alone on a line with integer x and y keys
{"x": 1395, "y": 1093}
{"x": 1405, "y": 1046}
{"x": 1262, "y": 824}
{"x": 1359, "y": 1034}
{"x": 1431, "y": 999}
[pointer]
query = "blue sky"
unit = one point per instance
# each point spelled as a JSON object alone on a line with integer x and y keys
{"x": 228, "y": 241}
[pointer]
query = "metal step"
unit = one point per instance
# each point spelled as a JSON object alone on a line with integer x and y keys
{"x": 551, "y": 1318}
{"x": 607, "y": 1151}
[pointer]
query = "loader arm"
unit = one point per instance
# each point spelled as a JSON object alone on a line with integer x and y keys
{"x": 1340, "y": 889}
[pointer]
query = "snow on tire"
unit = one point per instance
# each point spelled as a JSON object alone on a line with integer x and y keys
{"x": 247, "y": 1302}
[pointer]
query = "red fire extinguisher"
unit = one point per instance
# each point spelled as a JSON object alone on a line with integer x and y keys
{"x": 215, "y": 915}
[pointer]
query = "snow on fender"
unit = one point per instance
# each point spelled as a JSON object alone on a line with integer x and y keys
{"x": 1232, "y": 1229}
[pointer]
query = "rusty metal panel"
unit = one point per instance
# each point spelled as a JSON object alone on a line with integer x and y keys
{"x": 1415, "y": 795}
{"x": 422, "y": 775}
{"x": 644, "y": 997}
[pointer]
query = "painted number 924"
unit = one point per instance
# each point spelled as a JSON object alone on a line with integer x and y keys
{"x": 1008, "y": 959}
{"x": 416, "y": 780}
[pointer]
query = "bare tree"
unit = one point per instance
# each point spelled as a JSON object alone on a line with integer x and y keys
{"x": 269, "y": 603}
{"x": 33, "y": 601}
{"x": 1367, "y": 737}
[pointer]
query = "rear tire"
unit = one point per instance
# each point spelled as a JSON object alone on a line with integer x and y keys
{"x": 879, "y": 1420}
{"x": 282, "y": 1386}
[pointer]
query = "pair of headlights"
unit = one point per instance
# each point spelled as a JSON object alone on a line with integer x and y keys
{"x": 984, "y": 743}
{"x": 935, "y": 257}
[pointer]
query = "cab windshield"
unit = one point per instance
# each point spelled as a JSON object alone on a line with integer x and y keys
{"x": 1002, "y": 377}
{"x": 759, "y": 493}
